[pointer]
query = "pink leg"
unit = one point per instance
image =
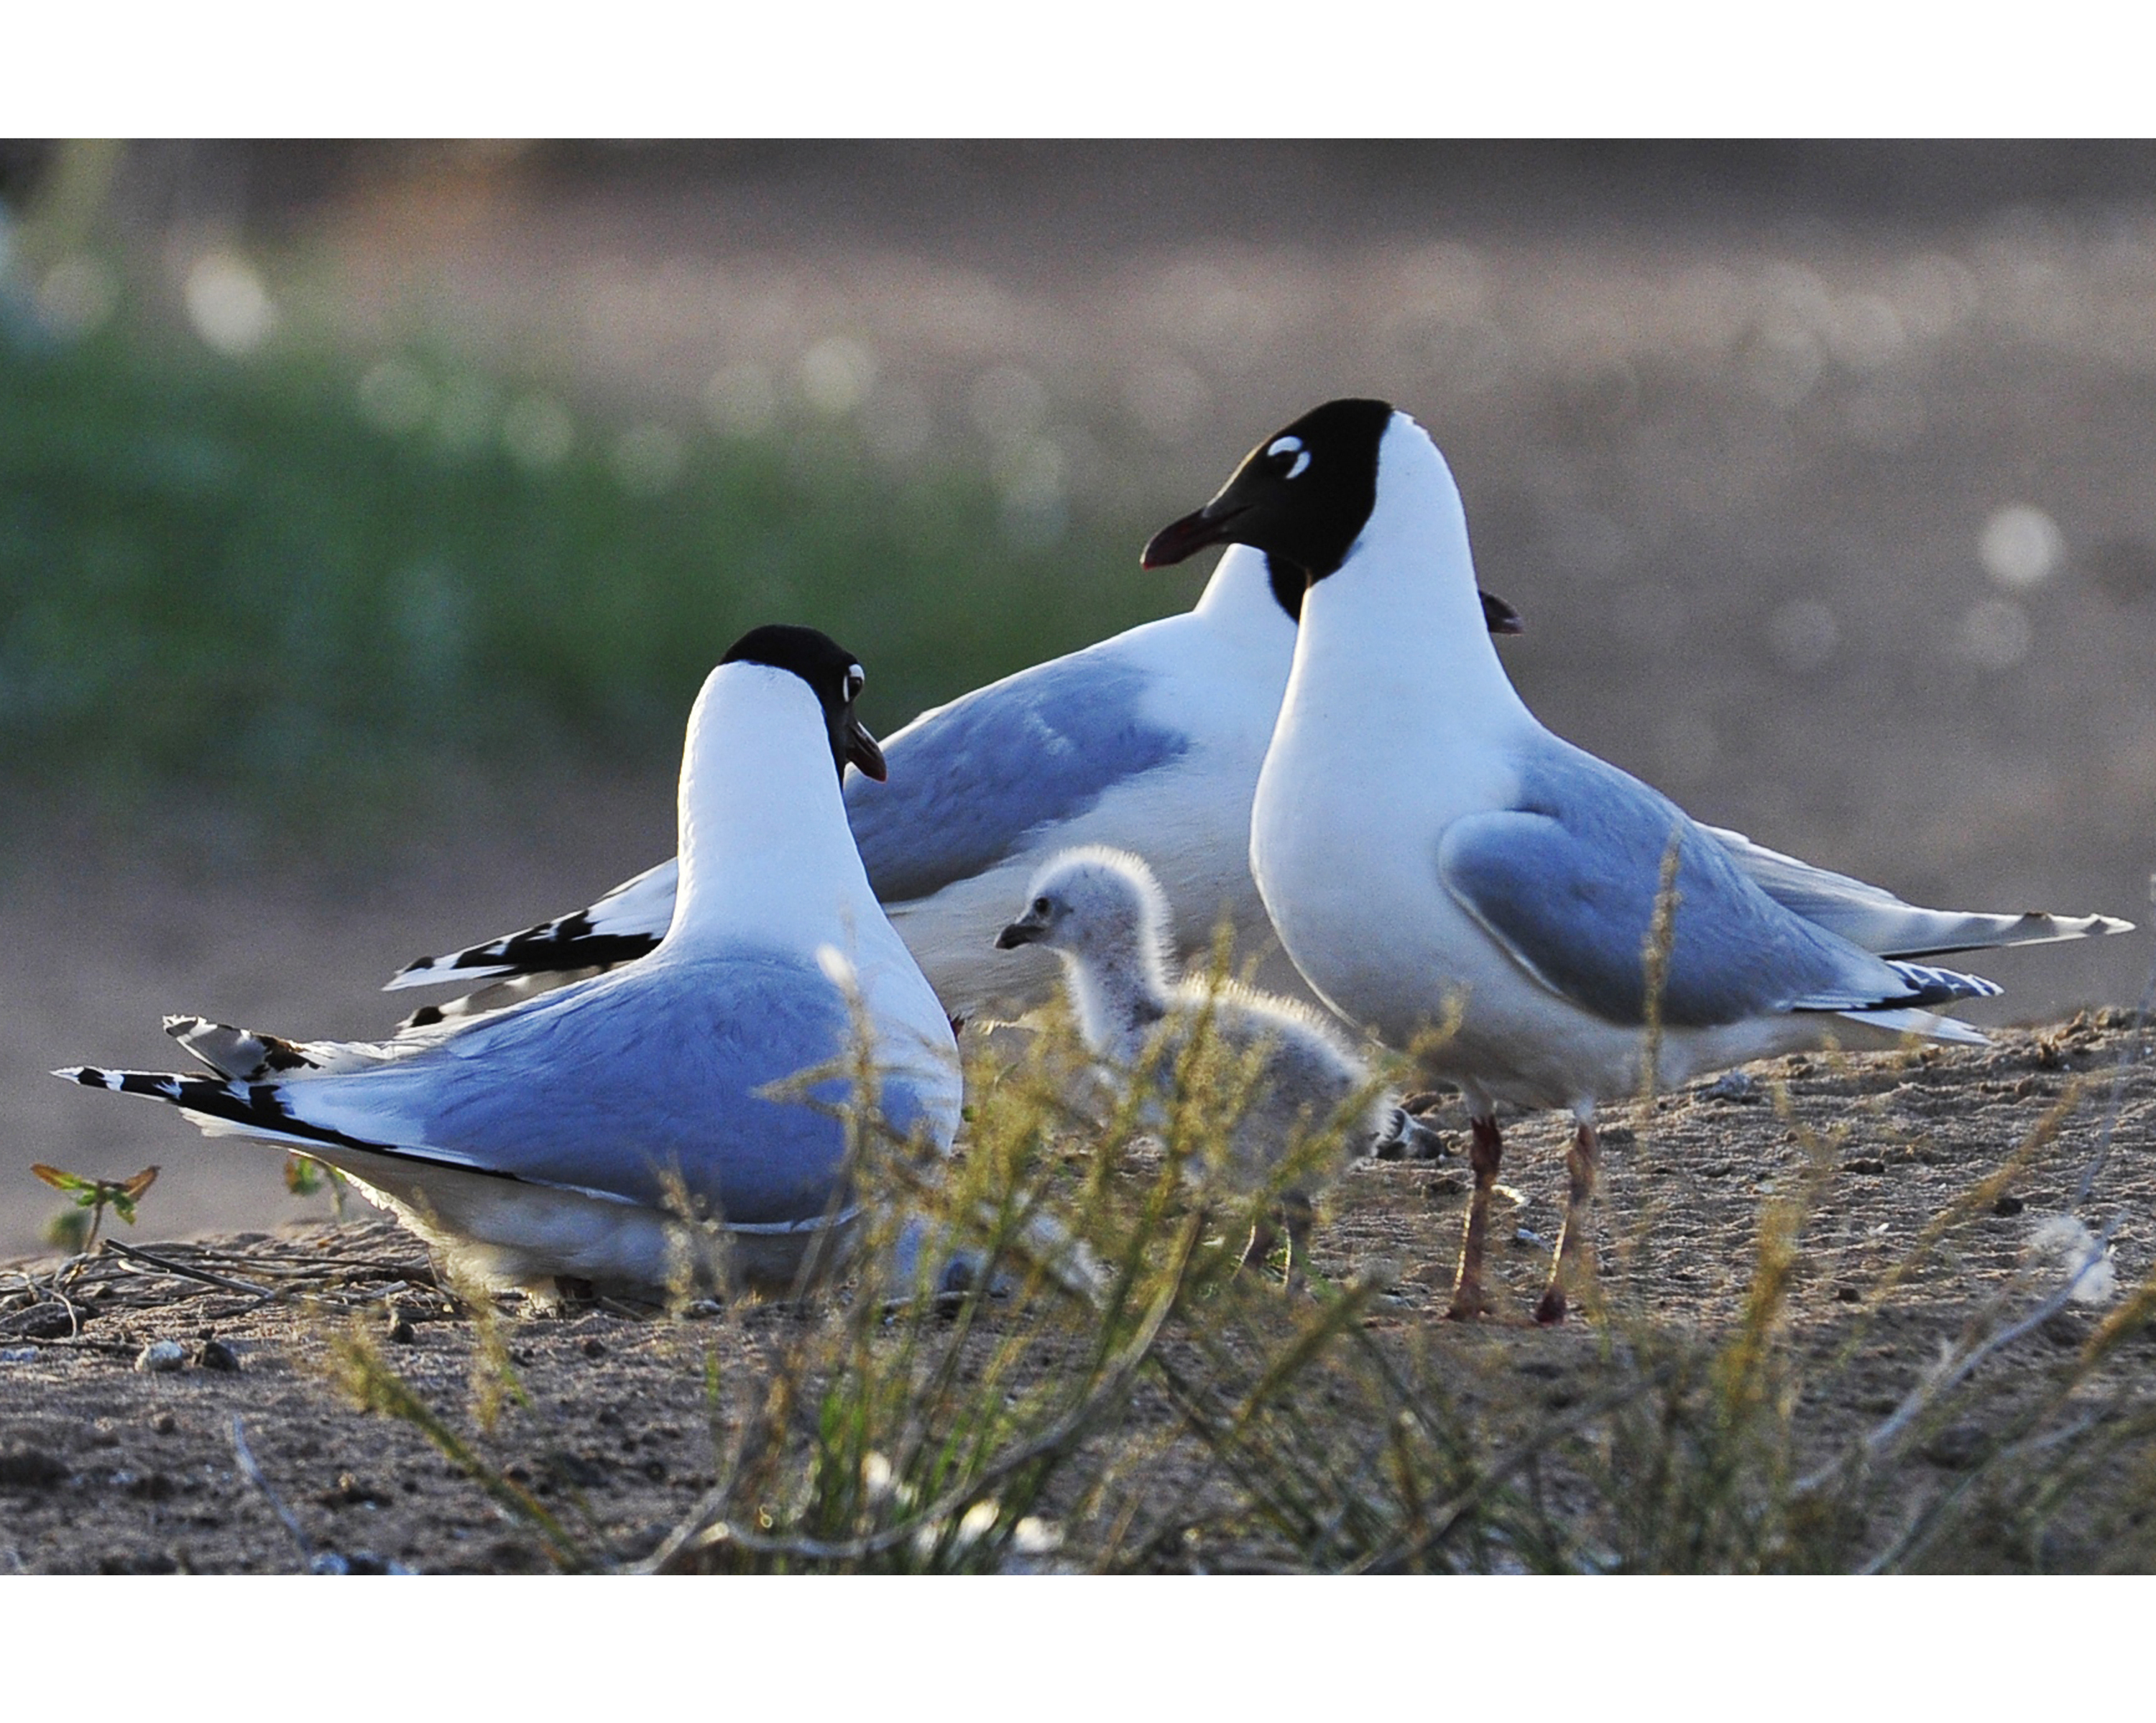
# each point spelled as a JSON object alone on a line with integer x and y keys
{"x": 1484, "y": 1148}
{"x": 1574, "y": 1267}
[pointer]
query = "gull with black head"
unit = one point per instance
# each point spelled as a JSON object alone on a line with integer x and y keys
{"x": 563, "y": 1138}
{"x": 1434, "y": 858}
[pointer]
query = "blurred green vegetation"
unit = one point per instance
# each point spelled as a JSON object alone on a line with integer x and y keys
{"x": 298, "y": 582}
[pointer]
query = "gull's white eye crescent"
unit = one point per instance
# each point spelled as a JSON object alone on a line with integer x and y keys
{"x": 857, "y": 681}
{"x": 1291, "y": 445}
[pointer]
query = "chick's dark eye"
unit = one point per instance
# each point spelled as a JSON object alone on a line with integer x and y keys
{"x": 1040, "y": 906}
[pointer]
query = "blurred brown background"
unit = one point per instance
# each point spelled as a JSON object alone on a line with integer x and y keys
{"x": 1821, "y": 473}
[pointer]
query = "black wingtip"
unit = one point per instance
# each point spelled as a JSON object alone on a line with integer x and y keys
{"x": 1932, "y": 986}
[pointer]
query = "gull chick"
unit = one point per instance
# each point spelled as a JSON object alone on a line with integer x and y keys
{"x": 1431, "y": 855}
{"x": 1102, "y": 914}
{"x": 576, "y": 1135}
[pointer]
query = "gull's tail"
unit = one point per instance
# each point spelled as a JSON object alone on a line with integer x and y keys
{"x": 251, "y": 1056}
{"x": 1874, "y": 920}
{"x": 1929, "y": 986}
{"x": 218, "y": 1105}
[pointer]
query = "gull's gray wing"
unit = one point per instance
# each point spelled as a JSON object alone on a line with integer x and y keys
{"x": 968, "y": 781}
{"x": 618, "y": 1084}
{"x": 1875, "y": 919}
{"x": 1567, "y": 880}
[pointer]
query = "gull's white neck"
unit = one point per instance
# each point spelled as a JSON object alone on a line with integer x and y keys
{"x": 1396, "y": 635}
{"x": 1239, "y": 603}
{"x": 766, "y": 852}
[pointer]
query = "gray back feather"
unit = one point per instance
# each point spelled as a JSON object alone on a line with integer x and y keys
{"x": 622, "y": 1083}
{"x": 970, "y": 780}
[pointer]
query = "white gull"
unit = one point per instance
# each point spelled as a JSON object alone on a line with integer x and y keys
{"x": 566, "y": 1136}
{"x": 1434, "y": 858}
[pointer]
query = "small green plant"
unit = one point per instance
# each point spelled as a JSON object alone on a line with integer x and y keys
{"x": 95, "y": 1196}
{"x": 67, "y": 1230}
{"x": 304, "y": 1176}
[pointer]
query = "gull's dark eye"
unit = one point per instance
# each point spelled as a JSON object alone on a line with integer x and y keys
{"x": 856, "y": 679}
{"x": 1290, "y": 453}
{"x": 1040, "y": 906}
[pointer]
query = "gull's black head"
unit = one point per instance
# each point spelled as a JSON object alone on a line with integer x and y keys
{"x": 832, "y": 674}
{"x": 1303, "y": 496}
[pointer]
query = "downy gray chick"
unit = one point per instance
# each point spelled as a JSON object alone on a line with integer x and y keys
{"x": 1104, "y": 916}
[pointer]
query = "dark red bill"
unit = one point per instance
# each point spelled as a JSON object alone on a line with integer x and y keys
{"x": 863, "y": 752}
{"x": 1187, "y": 537}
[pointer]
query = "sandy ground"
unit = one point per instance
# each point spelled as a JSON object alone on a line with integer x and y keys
{"x": 106, "y": 1466}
